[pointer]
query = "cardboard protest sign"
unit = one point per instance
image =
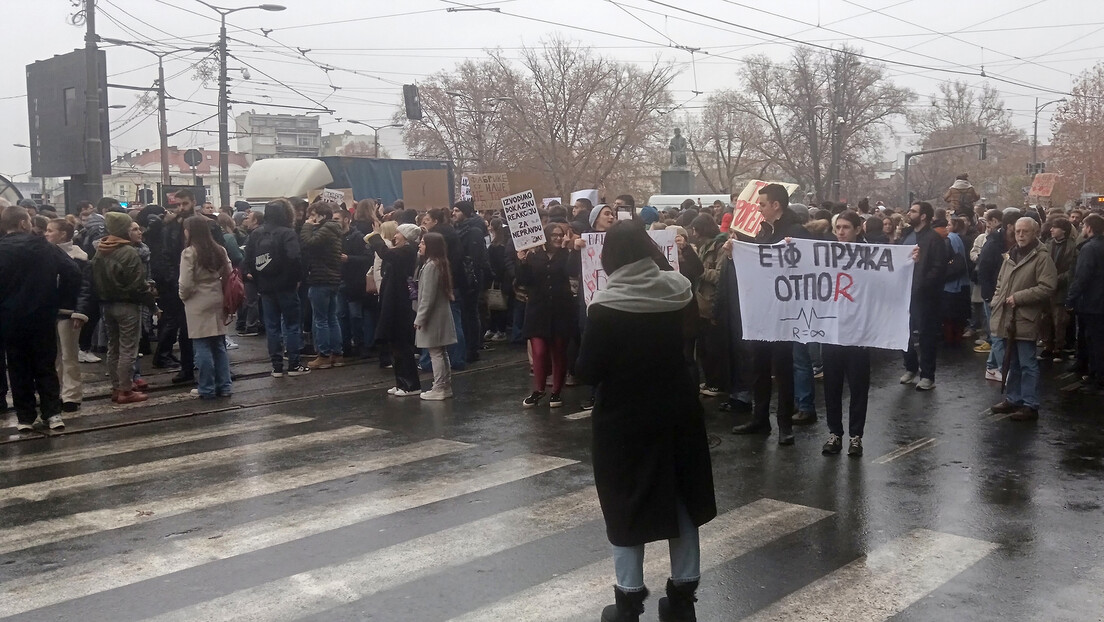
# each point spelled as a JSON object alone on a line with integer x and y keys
{"x": 825, "y": 292}
{"x": 488, "y": 189}
{"x": 523, "y": 219}
{"x": 1043, "y": 184}
{"x": 425, "y": 189}
{"x": 594, "y": 276}
{"x": 745, "y": 215}
{"x": 339, "y": 197}
{"x": 591, "y": 195}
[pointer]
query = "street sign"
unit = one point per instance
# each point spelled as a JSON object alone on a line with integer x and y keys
{"x": 193, "y": 157}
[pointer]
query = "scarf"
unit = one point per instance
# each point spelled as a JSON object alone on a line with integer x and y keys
{"x": 109, "y": 243}
{"x": 641, "y": 287}
{"x": 1018, "y": 253}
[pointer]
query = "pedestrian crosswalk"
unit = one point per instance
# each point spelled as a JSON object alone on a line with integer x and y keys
{"x": 328, "y": 481}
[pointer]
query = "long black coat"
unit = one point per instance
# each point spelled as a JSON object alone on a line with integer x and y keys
{"x": 650, "y": 447}
{"x": 551, "y": 311}
{"x": 396, "y": 318}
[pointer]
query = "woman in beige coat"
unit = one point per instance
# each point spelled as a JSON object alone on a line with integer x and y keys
{"x": 203, "y": 266}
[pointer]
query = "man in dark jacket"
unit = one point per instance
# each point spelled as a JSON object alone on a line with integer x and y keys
{"x": 357, "y": 327}
{"x": 440, "y": 221}
{"x": 779, "y": 223}
{"x": 320, "y": 240}
{"x": 1086, "y": 299}
{"x": 474, "y": 268}
{"x": 273, "y": 262}
{"x": 249, "y": 316}
{"x": 166, "y": 236}
{"x": 34, "y": 277}
{"x": 927, "y": 284}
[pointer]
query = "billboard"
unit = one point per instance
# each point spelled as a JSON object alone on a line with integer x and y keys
{"x": 55, "y": 110}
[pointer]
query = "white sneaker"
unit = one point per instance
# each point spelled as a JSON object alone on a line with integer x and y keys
{"x": 402, "y": 393}
{"x": 87, "y": 357}
{"x": 434, "y": 395}
{"x": 231, "y": 344}
{"x": 55, "y": 422}
{"x": 24, "y": 427}
{"x": 908, "y": 377}
{"x": 994, "y": 375}
{"x": 980, "y": 342}
{"x": 393, "y": 390}
{"x": 925, "y": 384}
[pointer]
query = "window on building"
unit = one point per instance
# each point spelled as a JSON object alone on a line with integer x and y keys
{"x": 70, "y": 104}
{"x": 307, "y": 141}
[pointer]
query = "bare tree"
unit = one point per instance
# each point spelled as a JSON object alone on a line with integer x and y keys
{"x": 1078, "y": 127}
{"x": 960, "y": 114}
{"x": 804, "y": 102}
{"x": 725, "y": 142}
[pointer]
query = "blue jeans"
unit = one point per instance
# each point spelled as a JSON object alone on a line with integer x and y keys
{"x": 213, "y": 365}
{"x": 362, "y": 324}
{"x": 327, "y": 330}
{"x": 804, "y": 385}
{"x": 282, "y": 319}
{"x": 1021, "y": 387}
{"x": 628, "y": 561}
{"x": 518, "y": 322}
{"x": 996, "y": 345}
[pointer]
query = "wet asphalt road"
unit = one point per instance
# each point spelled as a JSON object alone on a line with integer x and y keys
{"x": 321, "y": 498}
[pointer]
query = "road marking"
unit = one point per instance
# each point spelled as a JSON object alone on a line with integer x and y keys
{"x": 111, "y": 448}
{"x": 883, "y": 583}
{"x": 107, "y": 406}
{"x": 39, "y": 491}
{"x": 315, "y": 591}
{"x": 205, "y": 547}
{"x": 576, "y": 595}
{"x": 1083, "y": 600}
{"x": 582, "y": 414}
{"x": 923, "y": 443}
{"x": 94, "y": 521}
{"x": 1065, "y": 376}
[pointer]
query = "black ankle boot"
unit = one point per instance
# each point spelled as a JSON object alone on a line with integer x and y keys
{"x": 628, "y": 607}
{"x": 678, "y": 605}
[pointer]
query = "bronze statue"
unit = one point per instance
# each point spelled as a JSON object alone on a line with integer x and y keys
{"x": 678, "y": 149}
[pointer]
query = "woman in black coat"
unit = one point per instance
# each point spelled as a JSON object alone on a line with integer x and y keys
{"x": 397, "y": 293}
{"x": 549, "y": 313}
{"x": 651, "y": 455}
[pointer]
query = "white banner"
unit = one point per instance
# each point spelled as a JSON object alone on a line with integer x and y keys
{"x": 524, "y": 220}
{"x": 825, "y": 292}
{"x": 594, "y": 276}
{"x": 590, "y": 195}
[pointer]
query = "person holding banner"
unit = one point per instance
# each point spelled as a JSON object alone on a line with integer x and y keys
{"x": 652, "y": 468}
{"x": 549, "y": 313}
{"x": 773, "y": 357}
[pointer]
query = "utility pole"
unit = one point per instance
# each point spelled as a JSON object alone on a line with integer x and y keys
{"x": 224, "y": 131}
{"x": 162, "y": 123}
{"x": 1035, "y": 133}
{"x": 93, "y": 143}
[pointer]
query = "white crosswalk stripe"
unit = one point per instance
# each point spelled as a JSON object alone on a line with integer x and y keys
{"x": 88, "y": 452}
{"x": 884, "y": 582}
{"x": 108, "y": 573}
{"x": 94, "y": 521}
{"x": 577, "y": 595}
{"x": 173, "y": 466}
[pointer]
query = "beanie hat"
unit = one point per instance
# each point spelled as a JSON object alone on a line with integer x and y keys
{"x": 118, "y": 224}
{"x": 648, "y": 215}
{"x": 28, "y": 204}
{"x": 412, "y": 233}
{"x": 241, "y": 206}
{"x": 466, "y": 207}
{"x": 594, "y": 213}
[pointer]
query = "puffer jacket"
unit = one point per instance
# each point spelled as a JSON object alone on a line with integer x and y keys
{"x": 711, "y": 260}
{"x": 34, "y": 278}
{"x": 1086, "y": 292}
{"x": 1064, "y": 254}
{"x": 961, "y": 196}
{"x": 1029, "y": 277}
{"x": 77, "y": 304}
{"x": 118, "y": 272}
{"x": 322, "y": 252}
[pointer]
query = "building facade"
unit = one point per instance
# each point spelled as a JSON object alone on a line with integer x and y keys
{"x": 136, "y": 171}
{"x": 262, "y": 136}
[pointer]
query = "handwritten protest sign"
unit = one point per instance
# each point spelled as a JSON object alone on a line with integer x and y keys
{"x": 594, "y": 276}
{"x": 745, "y": 214}
{"x": 825, "y": 292}
{"x": 488, "y": 189}
{"x": 339, "y": 197}
{"x": 524, "y": 220}
{"x": 1043, "y": 184}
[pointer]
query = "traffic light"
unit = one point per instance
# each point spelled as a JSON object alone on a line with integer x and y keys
{"x": 983, "y": 148}
{"x": 1041, "y": 166}
{"x": 412, "y": 101}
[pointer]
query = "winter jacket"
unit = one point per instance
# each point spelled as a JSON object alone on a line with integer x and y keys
{"x": 961, "y": 196}
{"x": 1086, "y": 290}
{"x": 931, "y": 269}
{"x": 167, "y": 243}
{"x": 272, "y": 255}
{"x": 322, "y": 252}
{"x": 550, "y": 312}
{"x": 354, "y": 270}
{"x": 1030, "y": 278}
{"x": 989, "y": 262}
{"x": 95, "y": 228}
{"x": 1064, "y": 254}
{"x": 396, "y": 316}
{"x": 455, "y": 250}
{"x": 233, "y": 248}
{"x": 201, "y": 291}
{"x": 118, "y": 273}
{"x": 78, "y": 304}
{"x": 787, "y": 226}
{"x": 711, "y": 260}
{"x": 35, "y": 276}
{"x": 434, "y": 316}
{"x": 475, "y": 265}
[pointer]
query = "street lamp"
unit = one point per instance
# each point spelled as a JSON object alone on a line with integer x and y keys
{"x": 223, "y": 105}
{"x": 162, "y": 122}
{"x": 375, "y": 133}
{"x": 1035, "y": 132}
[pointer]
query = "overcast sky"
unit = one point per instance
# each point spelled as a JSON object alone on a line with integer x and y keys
{"x": 1029, "y": 49}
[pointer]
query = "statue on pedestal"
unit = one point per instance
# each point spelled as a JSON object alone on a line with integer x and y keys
{"x": 678, "y": 150}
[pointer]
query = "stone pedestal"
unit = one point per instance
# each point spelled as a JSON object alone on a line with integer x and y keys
{"x": 676, "y": 181}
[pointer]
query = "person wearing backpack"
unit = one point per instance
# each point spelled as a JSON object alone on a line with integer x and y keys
{"x": 273, "y": 263}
